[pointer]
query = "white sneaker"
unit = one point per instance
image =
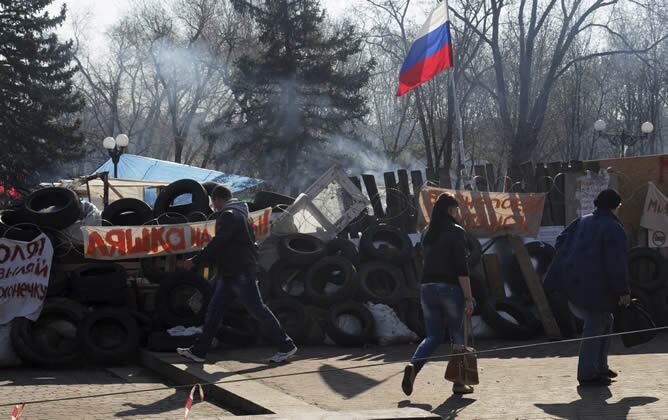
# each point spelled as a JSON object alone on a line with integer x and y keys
{"x": 188, "y": 354}
{"x": 283, "y": 357}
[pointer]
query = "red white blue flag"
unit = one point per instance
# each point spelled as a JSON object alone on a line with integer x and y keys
{"x": 430, "y": 54}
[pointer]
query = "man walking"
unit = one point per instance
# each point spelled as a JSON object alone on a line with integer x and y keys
{"x": 234, "y": 250}
{"x": 591, "y": 268}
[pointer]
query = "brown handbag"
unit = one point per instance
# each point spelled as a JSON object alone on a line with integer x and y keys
{"x": 463, "y": 364}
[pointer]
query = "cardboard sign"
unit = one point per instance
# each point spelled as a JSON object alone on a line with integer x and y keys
{"x": 655, "y": 217}
{"x": 491, "y": 214}
{"x": 588, "y": 188}
{"x": 127, "y": 242}
{"x": 24, "y": 277}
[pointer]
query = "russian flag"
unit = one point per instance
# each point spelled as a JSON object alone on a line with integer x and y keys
{"x": 430, "y": 54}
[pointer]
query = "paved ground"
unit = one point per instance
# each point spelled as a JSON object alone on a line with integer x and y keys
{"x": 33, "y": 384}
{"x": 520, "y": 384}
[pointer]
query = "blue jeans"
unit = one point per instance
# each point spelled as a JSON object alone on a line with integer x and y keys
{"x": 593, "y": 361}
{"x": 244, "y": 287}
{"x": 443, "y": 308}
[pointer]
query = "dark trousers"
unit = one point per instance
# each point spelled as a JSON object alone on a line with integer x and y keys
{"x": 593, "y": 360}
{"x": 243, "y": 286}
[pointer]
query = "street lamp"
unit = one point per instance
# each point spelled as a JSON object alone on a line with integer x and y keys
{"x": 622, "y": 139}
{"x": 116, "y": 147}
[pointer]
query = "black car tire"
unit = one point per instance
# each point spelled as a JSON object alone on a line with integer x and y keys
{"x": 380, "y": 282}
{"x": 300, "y": 249}
{"x": 294, "y": 318}
{"x": 343, "y": 248}
{"x": 100, "y": 283}
{"x": 398, "y": 251}
{"x": 127, "y": 212}
{"x": 284, "y": 277}
{"x": 53, "y": 207}
{"x": 347, "y": 339}
{"x": 109, "y": 335}
{"x": 49, "y": 345}
{"x": 337, "y": 270}
{"x": 188, "y": 309}
{"x": 199, "y": 203}
{"x": 647, "y": 269}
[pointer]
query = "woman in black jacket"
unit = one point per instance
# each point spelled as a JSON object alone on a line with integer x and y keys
{"x": 446, "y": 289}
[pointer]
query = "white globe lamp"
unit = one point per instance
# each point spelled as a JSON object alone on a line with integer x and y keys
{"x": 122, "y": 140}
{"x": 109, "y": 143}
{"x": 647, "y": 127}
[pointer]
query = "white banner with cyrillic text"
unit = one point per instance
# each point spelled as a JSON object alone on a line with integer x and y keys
{"x": 129, "y": 242}
{"x": 24, "y": 277}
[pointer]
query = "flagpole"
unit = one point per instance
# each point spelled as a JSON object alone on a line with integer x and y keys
{"x": 460, "y": 124}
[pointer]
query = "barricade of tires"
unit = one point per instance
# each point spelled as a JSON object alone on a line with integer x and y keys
{"x": 318, "y": 290}
{"x": 90, "y": 311}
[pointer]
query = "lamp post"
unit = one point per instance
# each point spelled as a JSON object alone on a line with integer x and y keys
{"x": 623, "y": 139}
{"x": 116, "y": 147}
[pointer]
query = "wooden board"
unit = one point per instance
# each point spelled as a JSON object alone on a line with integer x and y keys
{"x": 556, "y": 193}
{"x": 535, "y": 286}
{"x": 392, "y": 200}
{"x": 491, "y": 177}
{"x": 543, "y": 184}
{"x": 481, "y": 180}
{"x": 493, "y": 274}
{"x": 528, "y": 176}
{"x": 410, "y": 205}
{"x": 374, "y": 197}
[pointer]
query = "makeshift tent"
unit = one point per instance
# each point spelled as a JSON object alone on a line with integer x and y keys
{"x": 140, "y": 168}
{"x": 155, "y": 171}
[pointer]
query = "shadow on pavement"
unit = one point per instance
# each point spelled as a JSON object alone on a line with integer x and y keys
{"x": 346, "y": 382}
{"x": 449, "y": 409}
{"x": 593, "y": 404}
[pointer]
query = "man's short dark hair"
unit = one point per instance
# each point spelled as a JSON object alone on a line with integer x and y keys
{"x": 608, "y": 199}
{"x": 221, "y": 192}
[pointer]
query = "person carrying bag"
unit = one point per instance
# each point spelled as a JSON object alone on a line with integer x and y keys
{"x": 463, "y": 363}
{"x": 445, "y": 290}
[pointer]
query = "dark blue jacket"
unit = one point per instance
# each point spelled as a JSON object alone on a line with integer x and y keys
{"x": 233, "y": 248}
{"x": 591, "y": 263}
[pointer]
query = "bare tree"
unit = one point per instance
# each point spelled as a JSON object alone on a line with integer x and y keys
{"x": 539, "y": 36}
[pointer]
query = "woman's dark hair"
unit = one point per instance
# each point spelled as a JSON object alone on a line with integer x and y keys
{"x": 439, "y": 217}
{"x": 608, "y": 199}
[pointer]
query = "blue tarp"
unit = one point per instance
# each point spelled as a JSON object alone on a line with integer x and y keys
{"x": 148, "y": 169}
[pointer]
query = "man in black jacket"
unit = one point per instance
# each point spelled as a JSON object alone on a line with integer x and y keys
{"x": 234, "y": 250}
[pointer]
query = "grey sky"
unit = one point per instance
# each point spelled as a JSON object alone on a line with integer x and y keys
{"x": 100, "y": 14}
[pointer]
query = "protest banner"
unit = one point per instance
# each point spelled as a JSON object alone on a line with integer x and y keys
{"x": 655, "y": 217}
{"x": 491, "y": 214}
{"x": 24, "y": 277}
{"x": 128, "y": 242}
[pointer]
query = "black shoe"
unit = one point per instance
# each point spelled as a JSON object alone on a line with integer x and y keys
{"x": 610, "y": 374}
{"x": 409, "y": 378}
{"x": 597, "y": 381}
